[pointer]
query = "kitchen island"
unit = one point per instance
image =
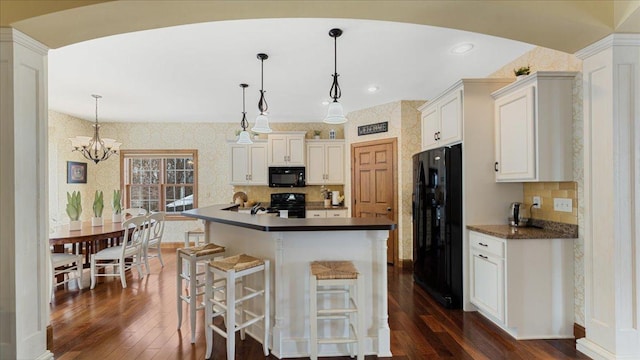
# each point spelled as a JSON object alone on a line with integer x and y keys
{"x": 290, "y": 245}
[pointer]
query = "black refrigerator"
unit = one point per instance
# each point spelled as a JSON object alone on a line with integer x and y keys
{"x": 437, "y": 223}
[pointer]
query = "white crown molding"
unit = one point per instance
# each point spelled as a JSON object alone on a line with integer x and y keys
{"x": 12, "y": 35}
{"x": 608, "y": 42}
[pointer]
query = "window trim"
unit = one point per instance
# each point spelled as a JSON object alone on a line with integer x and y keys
{"x": 150, "y": 153}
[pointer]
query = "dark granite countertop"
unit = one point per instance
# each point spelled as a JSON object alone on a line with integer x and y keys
{"x": 228, "y": 214}
{"x": 508, "y": 232}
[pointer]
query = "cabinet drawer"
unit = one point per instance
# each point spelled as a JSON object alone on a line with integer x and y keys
{"x": 336, "y": 213}
{"x": 487, "y": 244}
{"x": 316, "y": 213}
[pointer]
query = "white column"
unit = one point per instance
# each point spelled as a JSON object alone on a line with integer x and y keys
{"x": 611, "y": 85}
{"x": 23, "y": 194}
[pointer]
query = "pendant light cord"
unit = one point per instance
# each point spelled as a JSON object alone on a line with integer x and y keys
{"x": 262, "y": 103}
{"x": 335, "y": 91}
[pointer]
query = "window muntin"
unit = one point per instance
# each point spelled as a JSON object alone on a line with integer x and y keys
{"x": 160, "y": 180}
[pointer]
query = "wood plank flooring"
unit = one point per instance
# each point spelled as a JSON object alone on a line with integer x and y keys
{"x": 139, "y": 322}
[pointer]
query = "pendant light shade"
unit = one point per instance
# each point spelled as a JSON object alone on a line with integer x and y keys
{"x": 262, "y": 121}
{"x": 95, "y": 148}
{"x": 335, "y": 113}
{"x": 244, "y": 137}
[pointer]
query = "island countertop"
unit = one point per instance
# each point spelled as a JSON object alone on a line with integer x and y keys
{"x": 227, "y": 214}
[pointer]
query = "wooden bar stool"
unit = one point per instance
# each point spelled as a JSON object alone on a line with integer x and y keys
{"x": 193, "y": 255}
{"x": 233, "y": 269}
{"x": 330, "y": 279}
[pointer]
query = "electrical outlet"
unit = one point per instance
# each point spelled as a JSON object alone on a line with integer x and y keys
{"x": 562, "y": 204}
{"x": 537, "y": 200}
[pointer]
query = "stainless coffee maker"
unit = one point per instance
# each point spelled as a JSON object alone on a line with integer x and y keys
{"x": 515, "y": 215}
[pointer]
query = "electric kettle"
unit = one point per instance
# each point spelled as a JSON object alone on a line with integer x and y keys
{"x": 515, "y": 218}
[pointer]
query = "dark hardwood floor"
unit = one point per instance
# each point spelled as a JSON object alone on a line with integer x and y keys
{"x": 139, "y": 322}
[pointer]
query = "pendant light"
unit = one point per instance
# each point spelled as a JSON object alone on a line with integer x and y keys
{"x": 262, "y": 121}
{"x": 94, "y": 148}
{"x": 244, "y": 134}
{"x": 335, "y": 114}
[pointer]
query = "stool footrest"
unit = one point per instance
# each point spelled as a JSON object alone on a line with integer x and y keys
{"x": 337, "y": 341}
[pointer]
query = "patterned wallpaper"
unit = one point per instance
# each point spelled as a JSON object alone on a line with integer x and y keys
{"x": 550, "y": 60}
{"x": 213, "y": 162}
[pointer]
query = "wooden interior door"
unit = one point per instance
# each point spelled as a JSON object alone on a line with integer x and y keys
{"x": 374, "y": 185}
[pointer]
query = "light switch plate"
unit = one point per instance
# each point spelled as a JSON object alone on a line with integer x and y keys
{"x": 562, "y": 204}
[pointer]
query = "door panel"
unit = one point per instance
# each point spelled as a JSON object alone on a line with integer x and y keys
{"x": 374, "y": 184}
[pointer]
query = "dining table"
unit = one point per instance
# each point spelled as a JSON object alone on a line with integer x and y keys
{"x": 89, "y": 239}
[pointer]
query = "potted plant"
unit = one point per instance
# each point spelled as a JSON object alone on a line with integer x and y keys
{"x": 116, "y": 206}
{"x": 74, "y": 210}
{"x": 522, "y": 71}
{"x": 316, "y": 134}
{"x": 98, "y": 206}
{"x": 326, "y": 196}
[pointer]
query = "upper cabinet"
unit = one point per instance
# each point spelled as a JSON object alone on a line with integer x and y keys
{"x": 533, "y": 128}
{"x": 249, "y": 163}
{"x": 286, "y": 149}
{"x": 325, "y": 162}
{"x": 442, "y": 119}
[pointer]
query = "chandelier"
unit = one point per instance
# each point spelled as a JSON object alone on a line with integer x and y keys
{"x": 335, "y": 114}
{"x": 262, "y": 122}
{"x": 94, "y": 148}
{"x": 244, "y": 134}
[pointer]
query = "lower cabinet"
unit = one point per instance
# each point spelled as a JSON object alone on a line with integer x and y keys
{"x": 525, "y": 286}
{"x": 341, "y": 213}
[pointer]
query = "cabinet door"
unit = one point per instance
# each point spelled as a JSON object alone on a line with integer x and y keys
{"x": 334, "y": 163}
{"x": 277, "y": 150}
{"x": 257, "y": 164}
{"x": 295, "y": 150}
{"x": 487, "y": 283}
{"x": 239, "y": 166}
{"x": 515, "y": 136}
{"x": 315, "y": 164}
{"x": 450, "y": 111}
{"x": 430, "y": 127}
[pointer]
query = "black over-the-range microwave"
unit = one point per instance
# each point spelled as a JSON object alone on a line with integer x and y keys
{"x": 286, "y": 177}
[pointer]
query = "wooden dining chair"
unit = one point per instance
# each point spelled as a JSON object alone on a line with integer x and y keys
{"x": 135, "y": 235}
{"x": 64, "y": 266}
{"x": 155, "y": 224}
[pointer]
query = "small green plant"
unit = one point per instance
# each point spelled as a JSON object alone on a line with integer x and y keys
{"x": 317, "y": 132}
{"x": 116, "y": 205}
{"x": 98, "y": 204}
{"x": 523, "y": 70}
{"x": 238, "y": 132}
{"x": 74, "y": 205}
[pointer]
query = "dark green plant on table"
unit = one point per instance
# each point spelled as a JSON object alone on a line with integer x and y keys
{"x": 74, "y": 205}
{"x": 98, "y": 204}
{"x": 523, "y": 70}
{"x": 317, "y": 132}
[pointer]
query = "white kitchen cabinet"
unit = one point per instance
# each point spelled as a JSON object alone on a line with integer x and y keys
{"x": 325, "y": 162}
{"x": 525, "y": 286}
{"x": 337, "y": 213}
{"x": 286, "y": 149}
{"x": 442, "y": 119}
{"x": 248, "y": 163}
{"x": 533, "y": 128}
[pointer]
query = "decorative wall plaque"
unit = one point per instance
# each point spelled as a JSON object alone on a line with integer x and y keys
{"x": 373, "y": 128}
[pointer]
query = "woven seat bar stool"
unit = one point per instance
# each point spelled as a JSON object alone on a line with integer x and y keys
{"x": 197, "y": 233}
{"x": 195, "y": 281}
{"x": 233, "y": 269}
{"x": 330, "y": 279}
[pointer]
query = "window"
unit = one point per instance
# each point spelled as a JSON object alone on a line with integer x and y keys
{"x": 160, "y": 180}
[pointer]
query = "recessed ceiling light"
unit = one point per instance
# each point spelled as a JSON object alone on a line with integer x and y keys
{"x": 462, "y": 48}
{"x": 373, "y": 88}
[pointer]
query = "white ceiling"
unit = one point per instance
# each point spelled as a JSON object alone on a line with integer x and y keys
{"x": 191, "y": 73}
